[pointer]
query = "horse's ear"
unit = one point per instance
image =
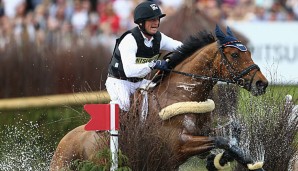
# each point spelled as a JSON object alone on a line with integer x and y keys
{"x": 229, "y": 32}
{"x": 218, "y": 33}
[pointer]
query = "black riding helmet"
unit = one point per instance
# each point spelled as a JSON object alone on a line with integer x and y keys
{"x": 145, "y": 11}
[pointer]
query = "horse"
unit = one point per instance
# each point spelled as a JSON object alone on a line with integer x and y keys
{"x": 180, "y": 103}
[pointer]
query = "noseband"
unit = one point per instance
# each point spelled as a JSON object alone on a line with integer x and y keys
{"x": 236, "y": 78}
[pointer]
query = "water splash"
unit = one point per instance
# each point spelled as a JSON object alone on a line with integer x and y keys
{"x": 238, "y": 134}
{"x": 23, "y": 148}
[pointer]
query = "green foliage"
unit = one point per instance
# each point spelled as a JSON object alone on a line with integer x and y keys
{"x": 105, "y": 157}
{"x": 88, "y": 166}
{"x": 274, "y": 96}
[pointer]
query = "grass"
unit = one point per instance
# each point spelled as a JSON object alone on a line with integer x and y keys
{"x": 195, "y": 164}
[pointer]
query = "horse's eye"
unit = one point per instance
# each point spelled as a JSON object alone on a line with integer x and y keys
{"x": 235, "y": 55}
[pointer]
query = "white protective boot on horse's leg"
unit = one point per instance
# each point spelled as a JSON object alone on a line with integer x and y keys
{"x": 220, "y": 161}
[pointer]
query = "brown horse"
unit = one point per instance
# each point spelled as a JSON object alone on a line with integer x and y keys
{"x": 180, "y": 102}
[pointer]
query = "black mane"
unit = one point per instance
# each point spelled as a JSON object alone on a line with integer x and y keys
{"x": 190, "y": 45}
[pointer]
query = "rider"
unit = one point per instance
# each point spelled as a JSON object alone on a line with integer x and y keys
{"x": 136, "y": 54}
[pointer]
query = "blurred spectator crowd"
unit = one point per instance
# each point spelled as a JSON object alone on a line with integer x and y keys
{"x": 66, "y": 23}
{"x": 250, "y": 10}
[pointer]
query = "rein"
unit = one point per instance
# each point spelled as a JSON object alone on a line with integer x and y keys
{"x": 236, "y": 79}
{"x": 202, "y": 77}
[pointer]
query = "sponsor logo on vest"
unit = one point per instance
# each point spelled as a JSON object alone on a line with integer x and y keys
{"x": 141, "y": 60}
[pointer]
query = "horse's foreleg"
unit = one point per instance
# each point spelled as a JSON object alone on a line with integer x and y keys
{"x": 234, "y": 152}
{"x": 62, "y": 157}
{"x": 194, "y": 145}
{"x": 77, "y": 144}
{"x": 188, "y": 146}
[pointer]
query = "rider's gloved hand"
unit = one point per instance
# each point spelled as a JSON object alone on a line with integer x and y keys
{"x": 160, "y": 65}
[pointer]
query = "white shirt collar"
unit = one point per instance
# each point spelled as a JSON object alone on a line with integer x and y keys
{"x": 146, "y": 39}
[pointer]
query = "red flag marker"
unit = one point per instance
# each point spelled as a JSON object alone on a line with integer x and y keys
{"x": 103, "y": 117}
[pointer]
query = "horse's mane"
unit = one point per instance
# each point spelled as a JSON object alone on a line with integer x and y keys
{"x": 191, "y": 45}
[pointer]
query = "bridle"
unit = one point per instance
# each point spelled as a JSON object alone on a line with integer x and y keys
{"x": 237, "y": 78}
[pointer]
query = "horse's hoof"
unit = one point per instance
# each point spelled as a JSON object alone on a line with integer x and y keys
{"x": 210, "y": 163}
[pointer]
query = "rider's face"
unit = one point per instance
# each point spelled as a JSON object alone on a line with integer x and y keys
{"x": 152, "y": 25}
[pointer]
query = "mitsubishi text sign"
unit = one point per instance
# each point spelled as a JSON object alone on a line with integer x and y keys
{"x": 274, "y": 47}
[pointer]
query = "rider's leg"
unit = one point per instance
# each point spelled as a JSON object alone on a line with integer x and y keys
{"x": 119, "y": 91}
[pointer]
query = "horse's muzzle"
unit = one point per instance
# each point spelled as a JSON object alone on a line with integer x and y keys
{"x": 259, "y": 87}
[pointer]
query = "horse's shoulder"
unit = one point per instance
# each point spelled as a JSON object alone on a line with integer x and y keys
{"x": 77, "y": 132}
{"x": 80, "y": 128}
{"x": 77, "y": 129}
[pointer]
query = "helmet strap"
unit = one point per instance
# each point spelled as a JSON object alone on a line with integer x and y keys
{"x": 142, "y": 27}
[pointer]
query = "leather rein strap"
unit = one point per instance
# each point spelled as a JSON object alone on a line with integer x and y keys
{"x": 236, "y": 79}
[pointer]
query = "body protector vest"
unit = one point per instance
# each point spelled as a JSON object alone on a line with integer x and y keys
{"x": 144, "y": 54}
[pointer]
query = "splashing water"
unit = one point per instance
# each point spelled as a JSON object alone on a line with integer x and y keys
{"x": 257, "y": 153}
{"x": 238, "y": 134}
{"x": 22, "y": 148}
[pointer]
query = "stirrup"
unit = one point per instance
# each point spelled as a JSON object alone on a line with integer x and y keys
{"x": 147, "y": 86}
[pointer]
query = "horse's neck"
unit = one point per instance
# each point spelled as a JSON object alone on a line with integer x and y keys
{"x": 190, "y": 91}
{"x": 177, "y": 88}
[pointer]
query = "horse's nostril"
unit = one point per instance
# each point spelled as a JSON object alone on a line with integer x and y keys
{"x": 262, "y": 84}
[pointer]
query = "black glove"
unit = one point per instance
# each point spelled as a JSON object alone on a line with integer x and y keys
{"x": 161, "y": 65}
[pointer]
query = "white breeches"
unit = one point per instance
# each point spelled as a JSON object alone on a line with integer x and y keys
{"x": 121, "y": 90}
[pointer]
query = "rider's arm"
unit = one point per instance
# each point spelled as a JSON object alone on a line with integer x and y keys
{"x": 168, "y": 43}
{"x": 128, "y": 49}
